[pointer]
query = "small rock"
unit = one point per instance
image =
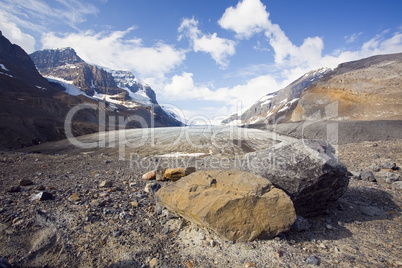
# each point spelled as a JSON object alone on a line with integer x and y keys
{"x": 313, "y": 260}
{"x": 279, "y": 253}
{"x": 116, "y": 233}
{"x": 150, "y": 175}
{"x": 153, "y": 262}
{"x": 375, "y": 168}
{"x": 14, "y": 189}
{"x": 389, "y": 165}
{"x": 249, "y": 264}
{"x": 25, "y": 182}
{"x": 40, "y": 188}
{"x": 42, "y": 196}
{"x": 152, "y": 187}
{"x": 328, "y": 226}
{"x": 106, "y": 184}
{"x": 134, "y": 204}
{"x": 300, "y": 225}
{"x": 175, "y": 174}
{"x": 397, "y": 185}
{"x": 367, "y": 176}
{"x": 74, "y": 197}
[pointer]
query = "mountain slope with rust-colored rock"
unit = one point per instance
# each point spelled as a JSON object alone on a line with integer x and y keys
{"x": 367, "y": 89}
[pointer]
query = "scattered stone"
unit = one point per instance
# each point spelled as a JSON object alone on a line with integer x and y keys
{"x": 375, "y": 168}
{"x": 74, "y": 197}
{"x": 26, "y": 182}
{"x": 42, "y": 196}
{"x": 249, "y": 264}
{"x": 152, "y": 187}
{"x": 175, "y": 174}
{"x": 105, "y": 184}
{"x": 14, "y": 189}
{"x": 40, "y": 188}
{"x": 328, "y": 226}
{"x": 355, "y": 175}
{"x": 134, "y": 204}
{"x": 153, "y": 263}
{"x": 389, "y": 165}
{"x": 307, "y": 170}
{"x": 397, "y": 185}
{"x": 301, "y": 224}
{"x": 239, "y": 206}
{"x": 367, "y": 176}
{"x": 313, "y": 260}
{"x": 150, "y": 175}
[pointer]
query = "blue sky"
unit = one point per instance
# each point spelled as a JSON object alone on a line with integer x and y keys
{"x": 209, "y": 57}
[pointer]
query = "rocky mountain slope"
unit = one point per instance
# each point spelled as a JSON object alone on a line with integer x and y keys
{"x": 116, "y": 85}
{"x": 276, "y": 106}
{"x": 367, "y": 89}
{"x": 33, "y": 109}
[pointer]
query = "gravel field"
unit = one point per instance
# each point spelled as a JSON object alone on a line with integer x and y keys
{"x": 99, "y": 215}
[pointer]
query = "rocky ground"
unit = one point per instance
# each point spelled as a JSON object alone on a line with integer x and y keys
{"x": 99, "y": 215}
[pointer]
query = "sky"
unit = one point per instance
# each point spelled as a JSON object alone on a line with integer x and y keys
{"x": 208, "y": 58}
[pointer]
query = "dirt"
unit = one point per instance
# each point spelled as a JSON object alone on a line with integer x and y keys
{"x": 85, "y": 225}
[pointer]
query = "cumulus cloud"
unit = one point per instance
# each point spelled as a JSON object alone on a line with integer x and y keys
{"x": 11, "y": 31}
{"x": 115, "y": 50}
{"x": 246, "y": 19}
{"x": 219, "y": 48}
{"x": 182, "y": 87}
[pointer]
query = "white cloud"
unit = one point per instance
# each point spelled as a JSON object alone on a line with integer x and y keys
{"x": 352, "y": 38}
{"x": 43, "y": 13}
{"x": 219, "y": 48}
{"x": 15, "y": 35}
{"x": 182, "y": 87}
{"x": 115, "y": 51}
{"x": 246, "y": 19}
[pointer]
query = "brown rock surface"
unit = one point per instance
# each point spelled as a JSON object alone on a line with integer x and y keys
{"x": 237, "y": 205}
{"x": 175, "y": 174}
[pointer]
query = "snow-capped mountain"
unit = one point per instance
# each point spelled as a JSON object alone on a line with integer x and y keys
{"x": 121, "y": 90}
{"x": 116, "y": 86}
{"x": 275, "y": 106}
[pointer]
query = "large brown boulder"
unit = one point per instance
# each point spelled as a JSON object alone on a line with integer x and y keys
{"x": 236, "y": 205}
{"x": 307, "y": 170}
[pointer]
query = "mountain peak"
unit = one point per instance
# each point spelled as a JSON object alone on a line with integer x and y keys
{"x": 52, "y": 58}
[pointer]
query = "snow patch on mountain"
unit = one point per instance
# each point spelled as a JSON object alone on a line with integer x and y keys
{"x": 4, "y": 67}
{"x": 68, "y": 85}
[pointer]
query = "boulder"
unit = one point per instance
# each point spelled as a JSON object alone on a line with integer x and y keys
{"x": 307, "y": 170}
{"x": 236, "y": 205}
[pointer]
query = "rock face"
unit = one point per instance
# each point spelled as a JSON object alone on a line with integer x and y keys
{"x": 237, "y": 205}
{"x": 367, "y": 89}
{"x": 277, "y": 104}
{"x": 307, "y": 170}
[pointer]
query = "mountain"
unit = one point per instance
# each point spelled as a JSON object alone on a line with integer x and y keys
{"x": 366, "y": 89}
{"x": 276, "y": 106}
{"x": 33, "y": 109}
{"x": 121, "y": 90}
{"x": 65, "y": 64}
